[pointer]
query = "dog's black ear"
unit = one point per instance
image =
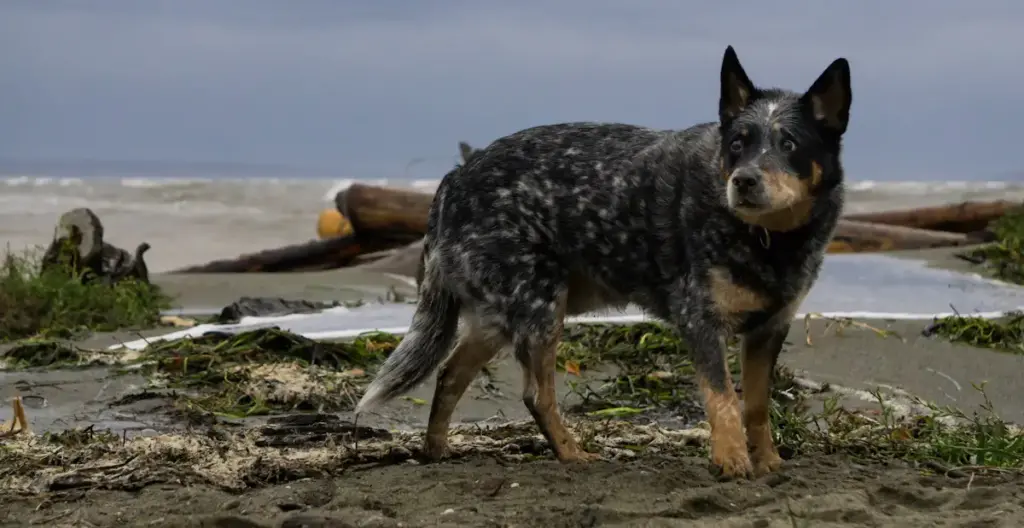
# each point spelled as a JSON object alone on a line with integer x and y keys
{"x": 737, "y": 90}
{"x": 829, "y": 98}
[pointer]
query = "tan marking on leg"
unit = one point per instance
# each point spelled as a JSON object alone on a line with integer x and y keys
{"x": 757, "y": 369}
{"x": 757, "y": 377}
{"x": 472, "y": 352}
{"x": 731, "y": 299}
{"x": 728, "y": 443}
{"x": 541, "y": 372}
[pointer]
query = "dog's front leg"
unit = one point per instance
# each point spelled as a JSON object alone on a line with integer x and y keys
{"x": 760, "y": 353}
{"x": 722, "y": 406}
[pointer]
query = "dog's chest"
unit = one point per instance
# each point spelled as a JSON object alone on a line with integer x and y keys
{"x": 751, "y": 289}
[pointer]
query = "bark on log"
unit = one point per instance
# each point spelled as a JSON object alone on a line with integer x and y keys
{"x": 309, "y": 256}
{"x": 78, "y": 250}
{"x": 385, "y": 211}
{"x": 964, "y": 217}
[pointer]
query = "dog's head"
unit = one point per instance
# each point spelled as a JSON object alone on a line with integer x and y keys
{"x": 780, "y": 150}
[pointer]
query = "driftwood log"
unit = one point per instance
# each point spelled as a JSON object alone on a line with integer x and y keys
{"x": 78, "y": 250}
{"x": 964, "y": 217}
{"x": 396, "y": 214}
{"x": 852, "y": 236}
{"x": 309, "y": 256}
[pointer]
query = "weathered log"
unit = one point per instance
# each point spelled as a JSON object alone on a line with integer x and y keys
{"x": 852, "y": 236}
{"x": 385, "y": 210}
{"x": 963, "y": 217}
{"x": 78, "y": 250}
{"x": 309, "y": 256}
{"x": 404, "y": 261}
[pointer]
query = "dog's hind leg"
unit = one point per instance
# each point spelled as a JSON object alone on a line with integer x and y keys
{"x": 760, "y": 353}
{"x": 473, "y": 351}
{"x": 536, "y": 353}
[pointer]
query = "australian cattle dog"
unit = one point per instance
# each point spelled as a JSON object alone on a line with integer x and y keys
{"x": 716, "y": 230}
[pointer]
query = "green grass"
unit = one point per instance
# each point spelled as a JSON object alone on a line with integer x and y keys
{"x": 944, "y": 440}
{"x": 54, "y": 305}
{"x": 1004, "y": 257}
{"x": 651, "y": 370}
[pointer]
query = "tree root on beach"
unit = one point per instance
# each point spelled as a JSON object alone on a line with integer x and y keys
{"x": 78, "y": 248}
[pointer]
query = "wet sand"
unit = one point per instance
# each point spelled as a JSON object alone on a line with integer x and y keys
{"x": 493, "y": 490}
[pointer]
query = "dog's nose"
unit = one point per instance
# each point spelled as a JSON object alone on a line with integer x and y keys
{"x": 744, "y": 181}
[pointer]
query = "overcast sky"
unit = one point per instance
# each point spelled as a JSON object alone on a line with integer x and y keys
{"x": 361, "y": 87}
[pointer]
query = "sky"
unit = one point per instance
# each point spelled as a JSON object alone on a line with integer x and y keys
{"x": 386, "y": 88}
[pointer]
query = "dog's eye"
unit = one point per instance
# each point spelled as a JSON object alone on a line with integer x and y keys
{"x": 736, "y": 146}
{"x": 788, "y": 145}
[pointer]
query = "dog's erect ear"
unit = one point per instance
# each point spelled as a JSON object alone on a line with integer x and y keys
{"x": 829, "y": 98}
{"x": 737, "y": 90}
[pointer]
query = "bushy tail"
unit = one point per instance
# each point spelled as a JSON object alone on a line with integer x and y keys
{"x": 422, "y": 350}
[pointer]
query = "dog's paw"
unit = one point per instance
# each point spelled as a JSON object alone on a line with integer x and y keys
{"x": 733, "y": 465}
{"x": 435, "y": 451}
{"x": 766, "y": 461}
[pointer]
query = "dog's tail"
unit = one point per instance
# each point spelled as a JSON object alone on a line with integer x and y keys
{"x": 423, "y": 349}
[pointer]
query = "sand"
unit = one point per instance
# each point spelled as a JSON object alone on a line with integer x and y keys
{"x": 489, "y": 489}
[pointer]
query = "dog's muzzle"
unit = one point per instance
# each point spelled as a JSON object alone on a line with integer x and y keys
{"x": 746, "y": 189}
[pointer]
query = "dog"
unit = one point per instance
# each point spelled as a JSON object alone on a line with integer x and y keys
{"x": 717, "y": 230}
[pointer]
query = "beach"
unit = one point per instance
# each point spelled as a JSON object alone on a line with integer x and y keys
{"x": 496, "y": 479}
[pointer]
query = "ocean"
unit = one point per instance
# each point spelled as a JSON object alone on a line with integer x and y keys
{"x": 194, "y": 220}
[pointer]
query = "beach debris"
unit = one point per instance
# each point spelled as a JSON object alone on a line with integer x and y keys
{"x": 263, "y": 371}
{"x": 290, "y": 448}
{"x": 841, "y": 323}
{"x": 43, "y": 353}
{"x": 1004, "y": 333}
{"x": 177, "y": 321}
{"x": 78, "y": 248}
{"x": 269, "y": 306}
{"x": 332, "y": 224}
{"x": 18, "y": 423}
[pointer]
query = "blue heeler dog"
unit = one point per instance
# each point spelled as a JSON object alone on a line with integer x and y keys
{"x": 717, "y": 230}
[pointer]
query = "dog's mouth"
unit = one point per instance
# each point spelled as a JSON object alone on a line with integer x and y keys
{"x": 749, "y": 202}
